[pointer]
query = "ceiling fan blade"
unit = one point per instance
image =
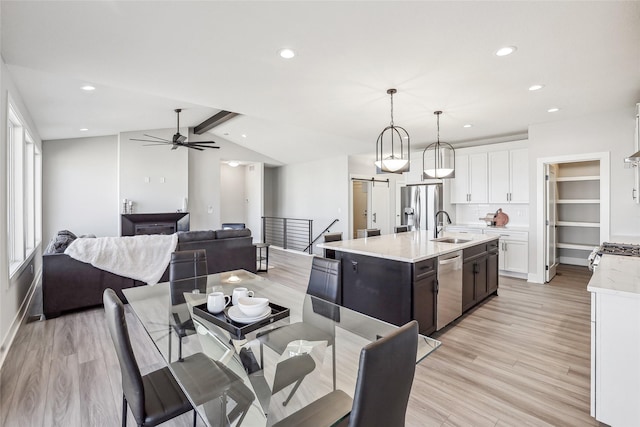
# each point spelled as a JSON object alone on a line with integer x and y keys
{"x": 203, "y": 142}
{"x": 150, "y": 140}
{"x": 201, "y": 146}
{"x": 195, "y": 148}
{"x": 159, "y": 143}
{"x": 156, "y": 137}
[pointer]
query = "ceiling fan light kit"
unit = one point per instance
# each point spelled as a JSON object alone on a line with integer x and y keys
{"x": 444, "y": 158}
{"x": 178, "y": 140}
{"x": 396, "y": 159}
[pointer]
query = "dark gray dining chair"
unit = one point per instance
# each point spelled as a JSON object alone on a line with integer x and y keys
{"x": 400, "y": 228}
{"x": 153, "y": 398}
{"x": 385, "y": 375}
{"x": 185, "y": 265}
{"x": 371, "y": 232}
{"x": 319, "y": 315}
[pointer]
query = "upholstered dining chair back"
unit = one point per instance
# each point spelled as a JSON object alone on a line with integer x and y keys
{"x": 325, "y": 280}
{"x": 385, "y": 376}
{"x": 184, "y": 265}
{"x": 331, "y": 237}
{"x": 371, "y": 232}
{"x": 132, "y": 386}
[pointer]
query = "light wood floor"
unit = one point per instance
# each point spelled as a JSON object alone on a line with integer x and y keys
{"x": 522, "y": 358}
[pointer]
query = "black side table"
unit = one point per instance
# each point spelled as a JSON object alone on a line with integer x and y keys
{"x": 260, "y": 247}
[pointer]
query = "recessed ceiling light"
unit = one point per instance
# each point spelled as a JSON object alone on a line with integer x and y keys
{"x": 553, "y": 110}
{"x": 468, "y": 125}
{"x": 84, "y": 130}
{"x": 507, "y": 50}
{"x": 244, "y": 135}
{"x": 88, "y": 88}
{"x": 286, "y": 53}
{"x": 233, "y": 164}
{"x": 535, "y": 87}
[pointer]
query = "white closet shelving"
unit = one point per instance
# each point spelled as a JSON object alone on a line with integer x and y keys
{"x": 578, "y": 205}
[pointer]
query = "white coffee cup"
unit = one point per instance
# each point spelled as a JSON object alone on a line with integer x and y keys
{"x": 239, "y": 293}
{"x": 217, "y": 301}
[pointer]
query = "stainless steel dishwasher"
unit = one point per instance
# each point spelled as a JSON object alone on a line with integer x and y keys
{"x": 449, "y": 288}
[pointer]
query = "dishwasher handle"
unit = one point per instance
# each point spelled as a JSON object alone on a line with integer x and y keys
{"x": 449, "y": 260}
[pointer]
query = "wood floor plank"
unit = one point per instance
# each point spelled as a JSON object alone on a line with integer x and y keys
{"x": 63, "y": 393}
{"x": 98, "y": 406}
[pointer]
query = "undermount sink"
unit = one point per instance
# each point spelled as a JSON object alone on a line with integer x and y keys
{"x": 451, "y": 240}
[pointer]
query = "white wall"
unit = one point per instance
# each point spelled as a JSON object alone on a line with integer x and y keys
{"x": 204, "y": 189}
{"x": 610, "y": 131}
{"x": 317, "y": 190}
{"x": 254, "y": 195}
{"x": 80, "y": 192}
{"x": 14, "y": 293}
{"x": 156, "y": 178}
{"x": 232, "y": 193}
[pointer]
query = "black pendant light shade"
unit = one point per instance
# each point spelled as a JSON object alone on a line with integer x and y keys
{"x": 392, "y": 147}
{"x": 441, "y": 158}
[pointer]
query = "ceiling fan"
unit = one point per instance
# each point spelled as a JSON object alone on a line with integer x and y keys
{"x": 177, "y": 140}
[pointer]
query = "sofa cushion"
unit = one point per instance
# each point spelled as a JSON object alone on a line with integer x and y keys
{"x": 190, "y": 236}
{"x": 227, "y": 234}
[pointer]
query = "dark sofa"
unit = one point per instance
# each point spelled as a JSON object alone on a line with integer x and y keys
{"x": 68, "y": 284}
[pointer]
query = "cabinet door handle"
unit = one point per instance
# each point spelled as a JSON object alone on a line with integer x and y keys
{"x": 633, "y": 194}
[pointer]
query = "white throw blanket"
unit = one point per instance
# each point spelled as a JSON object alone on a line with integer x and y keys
{"x": 143, "y": 258}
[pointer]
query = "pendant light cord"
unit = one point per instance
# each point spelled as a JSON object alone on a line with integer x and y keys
{"x": 391, "y": 109}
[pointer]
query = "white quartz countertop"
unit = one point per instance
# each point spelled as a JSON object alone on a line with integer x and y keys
{"x": 481, "y": 226}
{"x": 616, "y": 275}
{"x": 412, "y": 246}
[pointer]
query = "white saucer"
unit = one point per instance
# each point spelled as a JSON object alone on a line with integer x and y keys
{"x": 236, "y": 315}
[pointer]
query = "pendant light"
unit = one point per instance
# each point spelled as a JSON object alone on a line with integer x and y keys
{"x": 396, "y": 159}
{"x": 441, "y": 162}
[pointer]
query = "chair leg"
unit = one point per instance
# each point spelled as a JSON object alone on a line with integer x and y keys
{"x": 124, "y": 411}
{"x": 333, "y": 347}
{"x": 293, "y": 390}
{"x": 170, "y": 333}
{"x": 180, "y": 349}
{"x": 195, "y": 417}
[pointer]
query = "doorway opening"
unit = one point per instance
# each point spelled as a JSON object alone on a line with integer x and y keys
{"x": 573, "y": 210}
{"x": 369, "y": 206}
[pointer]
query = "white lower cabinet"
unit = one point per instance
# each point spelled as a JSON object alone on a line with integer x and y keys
{"x": 615, "y": 358}
{"x": 514, "y": 248}
{"x": 514, "y": 251}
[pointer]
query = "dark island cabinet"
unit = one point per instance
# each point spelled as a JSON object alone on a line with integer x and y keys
{"x": 479, "y": 274}
{"x": 492, "y": 267}
{"x": 393, "y": 291}
{"x": 424, "y": 302}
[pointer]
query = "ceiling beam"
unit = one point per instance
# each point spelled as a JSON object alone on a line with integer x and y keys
{"x": 213, "y": 121}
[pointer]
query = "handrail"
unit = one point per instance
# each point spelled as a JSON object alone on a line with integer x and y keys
{"x": 320, "y": 235}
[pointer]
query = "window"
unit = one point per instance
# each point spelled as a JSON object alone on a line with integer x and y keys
{"x": 24, "y": 191}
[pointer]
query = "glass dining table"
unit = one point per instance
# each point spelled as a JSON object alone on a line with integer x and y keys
{"x": 237, "y": 373}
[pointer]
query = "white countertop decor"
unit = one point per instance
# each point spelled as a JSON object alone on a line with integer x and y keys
{"x": 412, "y": 246}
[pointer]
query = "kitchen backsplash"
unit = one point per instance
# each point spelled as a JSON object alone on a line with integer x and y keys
{"x": 470, "y": 214}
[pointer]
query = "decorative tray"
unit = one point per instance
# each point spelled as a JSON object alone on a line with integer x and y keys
{"x": 238, "y": 330}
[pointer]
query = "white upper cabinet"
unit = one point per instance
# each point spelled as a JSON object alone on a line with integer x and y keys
{"x": 509, "y": 176}
{"x": 470, "y": 183}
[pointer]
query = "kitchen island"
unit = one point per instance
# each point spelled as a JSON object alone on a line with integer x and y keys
{"x": 394, "y": 277}
{"x": 615, "y": 340}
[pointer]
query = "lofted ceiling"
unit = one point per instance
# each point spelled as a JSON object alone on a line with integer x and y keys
{"x": 146, "y": 58}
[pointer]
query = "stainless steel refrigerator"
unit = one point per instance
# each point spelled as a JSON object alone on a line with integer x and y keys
{"x": 419, "y": 204}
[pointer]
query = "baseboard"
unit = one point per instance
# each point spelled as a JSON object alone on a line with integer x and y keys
{"x": 19, "y": 318}
{"x": 584, "y": 262}
{"x": 513, "y": 274}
